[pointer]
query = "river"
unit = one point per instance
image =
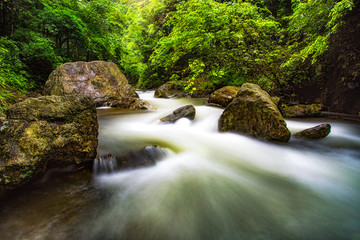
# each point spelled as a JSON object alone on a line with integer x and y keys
{"x": 208, "y": 185}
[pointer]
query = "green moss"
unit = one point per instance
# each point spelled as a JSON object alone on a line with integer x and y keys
{"x": 301, "y": 110}
{"x": 97, "y": 84}
{"x": 253, "y": 113}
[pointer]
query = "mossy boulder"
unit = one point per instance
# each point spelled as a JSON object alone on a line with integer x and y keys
{"x": 100, "y": 80}
{"x": 46, "y": 132}
{"x": 187, "y": 111}
{"x": 302, "y": 110}
{"x": 223, "y": 96}
{"x": 316, "y": 132}
{"x": 170, "y": 89}
{"x": 253, "y": 113}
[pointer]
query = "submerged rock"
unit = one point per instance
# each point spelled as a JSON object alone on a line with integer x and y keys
{"x": 301, "y": 110}
{"x": 100, "y": 80}
{"x": 253, "y": 113}
{"x": 316, "y": 132}
{"x": 46, "y": 132}
{"x": 223, "y": 96}
{"x": 187, "y": 111}
{"x": 143, "y": 157}
{"x": 170, "y": 89}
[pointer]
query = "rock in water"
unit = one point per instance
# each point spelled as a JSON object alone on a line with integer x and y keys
{"x": 100, "y": 80}
{"x": 139, "y": 158}
{"x": 316, "y": 132}
{"x": 253, "y": 113}
{"x": 302, "y": 110}
{"x": 132, "y": 103}
{"x": 187, "y": 111}
{"x": 223, "y": 96}
{"x": 49, "y": 131}
{"x": 170, "y": 89}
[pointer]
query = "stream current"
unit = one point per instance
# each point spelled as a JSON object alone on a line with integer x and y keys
{"x": 209, "y": 185}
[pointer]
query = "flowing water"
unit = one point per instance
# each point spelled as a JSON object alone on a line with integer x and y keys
{"x": 207, "y": 185}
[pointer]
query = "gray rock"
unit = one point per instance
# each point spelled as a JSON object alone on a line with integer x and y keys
{"x": 139, "y": 158}
{"x": 187, "y": 111}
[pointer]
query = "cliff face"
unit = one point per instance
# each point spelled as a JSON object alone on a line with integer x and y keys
{"x": 337, "y": 74}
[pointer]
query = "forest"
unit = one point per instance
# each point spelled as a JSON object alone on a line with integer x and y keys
{"x": 258, "y": 136}
{"x": 282, "y": 45}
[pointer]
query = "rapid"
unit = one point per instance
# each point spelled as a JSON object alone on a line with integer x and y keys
{"x": 208, "y": 185}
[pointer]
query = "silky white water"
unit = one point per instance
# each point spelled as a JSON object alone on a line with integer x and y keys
{"x": 215, "y": 185}
{"x": 209, "y": 185}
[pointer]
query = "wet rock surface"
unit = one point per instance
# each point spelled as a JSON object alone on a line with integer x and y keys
{"x": 143, "y": 157}
{"x": 316, "y": 132}
{"x": 187, "y": 111}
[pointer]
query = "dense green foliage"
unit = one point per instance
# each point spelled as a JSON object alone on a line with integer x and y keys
{"x": 208, "y": 43}
{"x": 204, "y": 44}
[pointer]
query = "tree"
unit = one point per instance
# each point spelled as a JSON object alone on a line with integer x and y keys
{"x": 215, "y": 44}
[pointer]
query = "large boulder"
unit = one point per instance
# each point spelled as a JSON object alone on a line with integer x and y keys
{"x": 187, "y": 111}
{"x": 223, "y": 96}
{"x": 301, "y": 110}
{"x": 316, "y": 132}
{"x": 170, "y": 89}
{"x": 46, "y": 132}
{"x": 253, "y": 113}
{"x": 100, "y": 80}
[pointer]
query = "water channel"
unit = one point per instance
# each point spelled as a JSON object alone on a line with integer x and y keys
{"x": 207, "y": 185}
